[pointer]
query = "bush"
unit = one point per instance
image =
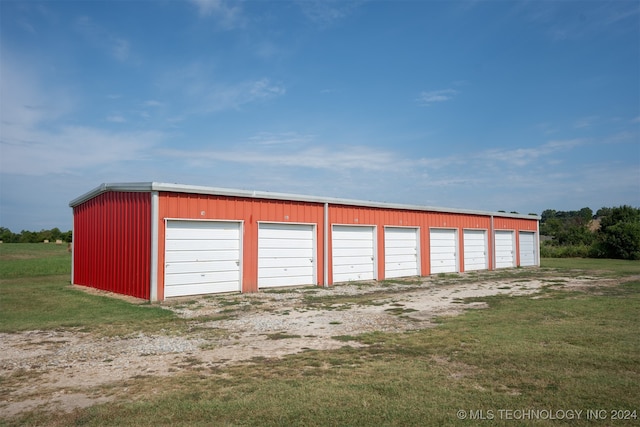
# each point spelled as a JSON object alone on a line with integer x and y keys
{"x": 549, "y": 250}
{"x": 619, "y": 234}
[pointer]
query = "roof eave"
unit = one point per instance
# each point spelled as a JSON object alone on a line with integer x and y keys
{"x": 216, "y": 191}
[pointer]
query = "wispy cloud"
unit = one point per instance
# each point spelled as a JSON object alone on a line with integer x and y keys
{"x": 285, "y": 138}
{"x": 153, "y": 103}
{"x": 318, "y": 157}
{"x": 573, "y": 20}
{"x": 326, "y": 12}
{"x": 522, "y": 156}
{"x": 32, "y": 145}
{"x": 118, "y": 47}
{"x": 431, "y": 97}
{"x": 116, "y": 118}
{"x": 200, "y": 90}
{"x": 227, "y": 16}
{"x": 586, "y": 122}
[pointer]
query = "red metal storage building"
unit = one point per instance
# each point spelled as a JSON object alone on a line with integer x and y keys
{"x": 156, "y": 240}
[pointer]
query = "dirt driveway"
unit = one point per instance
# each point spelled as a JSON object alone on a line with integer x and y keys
{"x": 65, "y": 369}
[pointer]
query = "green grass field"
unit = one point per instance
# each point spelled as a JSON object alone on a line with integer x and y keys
{"x": 522, "y": 361}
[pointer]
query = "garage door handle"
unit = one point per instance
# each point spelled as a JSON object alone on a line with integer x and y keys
{"x": 311, "y": 260}
{"x": 238, "y": 263}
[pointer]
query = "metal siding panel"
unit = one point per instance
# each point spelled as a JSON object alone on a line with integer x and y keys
{"x": 111, "y": 244}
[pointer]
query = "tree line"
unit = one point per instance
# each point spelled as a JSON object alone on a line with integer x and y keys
{"x": 609, "y": 233}
{"x": 6, "y": 236}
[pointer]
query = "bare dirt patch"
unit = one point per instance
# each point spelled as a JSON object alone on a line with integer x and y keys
{"x": 68, "y": 369}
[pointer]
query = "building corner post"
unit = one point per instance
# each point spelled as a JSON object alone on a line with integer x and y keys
{"x": 153, "y": 291}
{"x": 325, "y": 247}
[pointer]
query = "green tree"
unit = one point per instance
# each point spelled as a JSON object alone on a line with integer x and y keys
{"x": 619, "y": 234}
{"x": 567, "y": 227}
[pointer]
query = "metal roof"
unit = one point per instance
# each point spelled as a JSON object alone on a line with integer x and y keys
{"x": 216, "y": 191}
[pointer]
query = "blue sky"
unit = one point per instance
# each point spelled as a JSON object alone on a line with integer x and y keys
{"x": 491, "y": 105}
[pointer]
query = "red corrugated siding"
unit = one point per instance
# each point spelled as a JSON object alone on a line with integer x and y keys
{"x": 379, "y": 217}
{"x": 250, "y": 212}
{"x": 112, "y": 243}
{"x": 516, "y": 225}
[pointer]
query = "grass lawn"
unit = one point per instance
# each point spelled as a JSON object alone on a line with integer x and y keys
{"x": 35, "y": 293}
{"x": 522, "y": 361}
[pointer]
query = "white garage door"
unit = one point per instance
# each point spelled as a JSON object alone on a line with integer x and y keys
{"x": 527, "y": 249}
{"x": 201, "y": 257}
{"x": 505, "y": 253}
{"x": 475, "y": 250}
{"x": 401, "y": 252}
{"x": 286, "y": 255}
{"x": 353, "y": 253}
{"x": 443, "y": 244}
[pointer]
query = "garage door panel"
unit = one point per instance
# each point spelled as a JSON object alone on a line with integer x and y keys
{"x": 201, "y": 267}
{"x": 443, "y": 251}
{"x": 475, "y": 250}
{"x": 399, "y": 244}
{"x": 273, "y": 272}
{"x": 286, "y": 254}
{"x": 527, "y": 249}
{"x": 358, "y": 252}
{"x": 445, "y": 256}
{"x": 401, "y": 252}
{"x": 358, "y": 260}
{"x": 505, "y": 250}
{"x": 405, "y": 266}
{"x": 403, "y": 258}
{"x": 353, "y": 253}
{"x": 202, "y": 245}
{"x": 202, "y": 257}
{"x": 352, "y": 244}
{"x": 201, "y": 231}
{"x": 266, "y": 243}
{"x": 286, "y": 262}
{"x": 364, "y": 269}
{"x": 200, "y": 288}
{"x": 212, "y": 279}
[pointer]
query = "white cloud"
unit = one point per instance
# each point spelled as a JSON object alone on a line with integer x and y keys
{"x": 326, "y": 12}
{"x": 153, "y": 103}
{"x": 320, "y": 157}
{"x": 31, "y": 145}
{"x": 522, "y": 156}
{"x": 428, "y": 98}
{"x": 116, "y": 118}
{"x": 33, "y": 152}
{"x": 228, "y": 17}
{"x": 23, "y": 103}
{"x": 285, "y": 138}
